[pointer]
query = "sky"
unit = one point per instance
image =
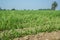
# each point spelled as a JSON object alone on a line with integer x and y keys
{"x": 28, "y": 4}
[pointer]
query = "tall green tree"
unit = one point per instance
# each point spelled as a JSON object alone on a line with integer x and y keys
{"x": 54, "y": 5}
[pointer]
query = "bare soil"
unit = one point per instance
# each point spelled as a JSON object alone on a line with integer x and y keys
{"x": 42, "y": 36}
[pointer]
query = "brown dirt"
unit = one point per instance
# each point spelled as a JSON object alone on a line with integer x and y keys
{"x": 42, "y": 36}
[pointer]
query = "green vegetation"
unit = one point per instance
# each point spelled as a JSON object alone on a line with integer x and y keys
{"x": 18, "y": 23}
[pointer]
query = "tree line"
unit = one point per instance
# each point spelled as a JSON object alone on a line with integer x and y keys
{"x": 53, "y": 7}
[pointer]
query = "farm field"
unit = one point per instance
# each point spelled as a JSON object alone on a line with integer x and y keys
{"x": 20, "y": 23}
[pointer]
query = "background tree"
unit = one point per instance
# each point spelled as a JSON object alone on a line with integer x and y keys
{"x": 4, "y": 9}
{"x": 0, "y": 8}
{"x": 13, "y": 9}
{"x": 54, "y": 5}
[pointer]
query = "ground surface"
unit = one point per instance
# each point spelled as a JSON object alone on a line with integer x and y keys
{"x": 42, "y": 36}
